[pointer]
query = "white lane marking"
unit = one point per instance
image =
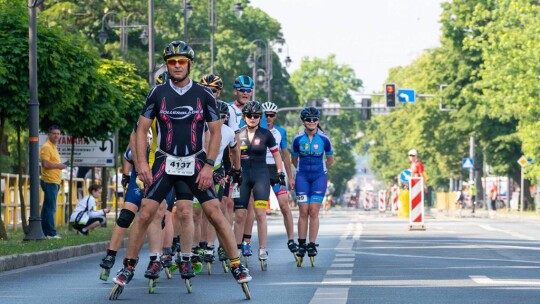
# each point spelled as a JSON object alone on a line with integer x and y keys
{"x": 338, "y": 281}
{"x": 487, "y": 281}
{"x": 339, "y": 272}
{"x": 344, "y": 260}
{"x": 346, "y": 265}
{"x": 330, "y": 295}
{"x": 512, "y": 233}
{"x": 345, "y": 254}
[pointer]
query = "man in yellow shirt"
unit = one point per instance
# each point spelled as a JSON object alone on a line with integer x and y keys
{"x": 51, "y": 176}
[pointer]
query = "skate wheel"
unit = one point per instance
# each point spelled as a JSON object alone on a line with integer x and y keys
{"x": 299, "y": 261}
{"x": 152, "y": 286}
{"x": 173, "y": 268}
{"x": 294, "y": 256}
{"x": 115, "y": 292}
{"x": 168, "y": 273}
{"x": 189, "y": 287}
{"x": 312, "y": 260}
{"x": 245, "y": 288}
{"x": 263, "y": 265}
{"x": 197, "y": 267}
{"x": 209, "y": 268}
{"x": 104, "y": 275}
{"x": 225, "y": 266}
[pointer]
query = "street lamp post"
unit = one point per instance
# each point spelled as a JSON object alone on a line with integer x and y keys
{"x": 124, "y": 26}
{"x": 188, "y": 10}
{"x": 35, "y": 232}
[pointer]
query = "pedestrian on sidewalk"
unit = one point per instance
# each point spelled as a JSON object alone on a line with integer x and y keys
{"x": 51, "y": 177}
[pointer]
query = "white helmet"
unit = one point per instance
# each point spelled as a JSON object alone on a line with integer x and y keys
{"x": 269, "y": 107}
{"x": 413, "y": 152}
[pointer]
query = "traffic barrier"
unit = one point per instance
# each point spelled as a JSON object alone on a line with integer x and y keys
{"x": 394, "y": 199}
{"x": 382, "y": 202}
{"x": 366, "y": 201}
{"x": 416, "y": 204}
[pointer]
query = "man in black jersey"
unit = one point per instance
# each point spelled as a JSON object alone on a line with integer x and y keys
{"x": 181, "y": 108}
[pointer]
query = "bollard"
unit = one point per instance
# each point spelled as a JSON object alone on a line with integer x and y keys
{"x": 416, "y": 204}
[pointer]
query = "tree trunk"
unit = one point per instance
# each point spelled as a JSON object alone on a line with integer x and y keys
{"x": 3, "y": 232}
{"x": 21, "y": 172}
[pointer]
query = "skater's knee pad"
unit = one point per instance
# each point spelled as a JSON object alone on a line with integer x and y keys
{"x": 125, "y": 218}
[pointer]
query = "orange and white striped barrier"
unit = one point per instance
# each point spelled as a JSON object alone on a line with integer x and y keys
{"x": 394, "y": 199}
{"x": 365, "y": 201}
{"x": 381, "y": 199}
{"x": 416, "y": 203}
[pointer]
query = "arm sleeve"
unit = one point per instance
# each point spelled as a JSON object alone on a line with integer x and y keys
{"x": 283, "y": 143}
{"x": 271, "y": 142}
{"x": 328, "y": 150}
{"x": 294, "y": 146}
{"x": 211, "y": 112}
{"x": 150, "y": 107}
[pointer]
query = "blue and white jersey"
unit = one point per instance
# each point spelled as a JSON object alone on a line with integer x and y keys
{"x": 281, "y": 139}
{"x": 311, "y": 153}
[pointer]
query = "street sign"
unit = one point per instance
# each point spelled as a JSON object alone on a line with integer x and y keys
{"x": 86, "y": 153}
{"x": 406, "y": 95}
{"x": 405, "y": 175}
{"x": 467, "y": 163}
{"x": 522, "y": 161}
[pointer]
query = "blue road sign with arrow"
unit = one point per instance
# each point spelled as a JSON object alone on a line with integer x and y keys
{"x": 406, "y": 95}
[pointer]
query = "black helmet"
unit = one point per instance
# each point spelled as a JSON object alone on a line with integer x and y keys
{"x": 252, "y": 107}
{"x": 212, "y": 80}
{"x": 223, "y": 108}
{"x": 178, "y": 48}
{"x": 163, "y": 77}
{"x": 310, "y": 112}
{"x": 243, "y": 81}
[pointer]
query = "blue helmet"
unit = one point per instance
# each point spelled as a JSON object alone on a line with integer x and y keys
{"x": 243, "y": 81}
{"x": 310, "y": 112}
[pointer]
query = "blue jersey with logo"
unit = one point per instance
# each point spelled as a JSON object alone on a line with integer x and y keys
{"x": 311, "y": 153}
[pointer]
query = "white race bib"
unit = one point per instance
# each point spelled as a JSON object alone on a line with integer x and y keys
{"x": 235, "y": 191}
{"x": 301, "y": 198}
{"x": 176, "y": 165}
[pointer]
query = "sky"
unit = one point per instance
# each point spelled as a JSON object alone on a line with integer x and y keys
{"x": 371, "y": 36}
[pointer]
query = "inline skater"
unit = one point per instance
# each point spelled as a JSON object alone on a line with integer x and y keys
{"x": 308, "y": 149}
{"x": 270, "y": 109}
{"x": 180, "y": 162}
{"x": 254, "y": 141}
{"x": 243, "y": 90}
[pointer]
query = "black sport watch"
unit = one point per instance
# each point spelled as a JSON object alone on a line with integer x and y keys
{"x": 210, "y": 162}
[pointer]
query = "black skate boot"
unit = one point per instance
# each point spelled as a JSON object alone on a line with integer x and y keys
{"x": 153, "y": 270}
{"x": 240, "y": 274}
{"x": 107, "y": 262}
{"x": 293, "y": 247}
{"x": 186, "y": 270}
{"x": 311, "y": 250}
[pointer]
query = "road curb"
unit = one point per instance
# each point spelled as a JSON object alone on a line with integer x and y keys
{"x": 17, "y": 261}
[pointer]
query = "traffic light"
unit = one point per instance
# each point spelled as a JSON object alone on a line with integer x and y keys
{"x": 443, "y": 104}
{"x": 390, "y": 94}
{"x": 365, "y": 113}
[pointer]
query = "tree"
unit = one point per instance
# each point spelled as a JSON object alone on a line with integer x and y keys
{"x": 317, "y": 79}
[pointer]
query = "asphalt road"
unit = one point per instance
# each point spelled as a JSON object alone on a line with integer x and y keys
{"x": 364, "y": 257}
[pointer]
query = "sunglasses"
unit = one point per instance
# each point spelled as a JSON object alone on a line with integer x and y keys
{"x": 244, "y": 90}
{"x": 311, "y": 119}
{"x": 412, "y": 155}
{"x": 271, "y": 115}
{"x": 214, "y": 90}
{"x": 253, "y": 116}
{"x": 223, "y": 116}
{"x": 174, "y": 61}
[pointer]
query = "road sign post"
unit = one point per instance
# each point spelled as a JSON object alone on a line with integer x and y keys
{"x": 522, "y": 161}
